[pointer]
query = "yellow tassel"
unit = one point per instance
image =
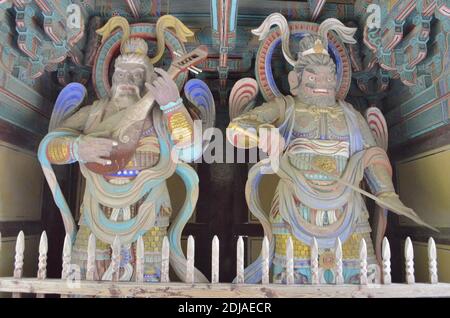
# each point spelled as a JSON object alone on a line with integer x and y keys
{"x": 169, "y": 21}
{"x": 113, "y": 23}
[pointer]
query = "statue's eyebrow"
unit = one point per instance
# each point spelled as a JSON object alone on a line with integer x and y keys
{"x": 311, "y": 70}
{"x": 138, "y": 69}
{"x": 132, "y": 71}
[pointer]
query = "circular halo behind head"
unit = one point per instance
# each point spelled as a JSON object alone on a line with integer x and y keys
{"x": 299, "y": 30}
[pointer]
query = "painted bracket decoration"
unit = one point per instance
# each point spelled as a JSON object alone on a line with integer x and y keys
{"x": 401, "y": 43}
{"x": 263, "y": 65}
{"x": 44, "y": 37}
{"x": 110, "y": 49}
{"x": 224, "y": 26}
{"x": 224, "y": 22}
{"x": 443, "y": 8}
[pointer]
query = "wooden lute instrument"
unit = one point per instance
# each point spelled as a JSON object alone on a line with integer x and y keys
{"x": 128, "y": 132}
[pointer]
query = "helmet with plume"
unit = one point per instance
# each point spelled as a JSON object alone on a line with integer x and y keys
{"x": 311, "y": 44}
{"x": 134, "y": 49}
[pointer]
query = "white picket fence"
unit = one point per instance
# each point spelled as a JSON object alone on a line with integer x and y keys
{"x": 69, "y": 285}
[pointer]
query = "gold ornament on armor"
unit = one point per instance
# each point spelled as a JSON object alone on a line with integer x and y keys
{"x": 318, "y": 46}
{"x": 180, "y": 128}
{"x": 317, "y": 111}
{"x": 327, "y": 260}
{"x": 325, "y": 163}
{"x": 58, "y": 151}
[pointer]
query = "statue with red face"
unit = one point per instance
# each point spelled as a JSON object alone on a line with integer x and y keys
{"x": 325, "y": 148}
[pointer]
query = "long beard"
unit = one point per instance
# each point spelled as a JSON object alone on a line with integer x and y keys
{"x": 125, "y": 97}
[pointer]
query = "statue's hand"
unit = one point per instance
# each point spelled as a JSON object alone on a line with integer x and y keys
{"x": 391, "y": 201}
{"x": 92, "y": 149}
{"x": 163, "y": 89}
{"x": 270, "y": 140}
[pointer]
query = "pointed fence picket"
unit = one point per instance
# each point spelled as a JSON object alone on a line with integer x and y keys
{"x": 314, "y": 262}
{"x": 140, "y": 260}
{"x": 190, "y": 260}
{"x": 386, "y": 263}
{"x": 432, "y": 262}
{"x": 289, "y": 262}
{"x": 18, "y": 259}
{"x": 41, "y": 285}
{"x": 339, "y": 268}
{"x": 91, "y": 264}
{"x": 42, "y": 260}
{"x": 409, "y": 261}
{"x": 265, "y": 261}
{"x": 165, "y": 255}
{"x": 215, "y": 260}
{"x": 240, "y": 261}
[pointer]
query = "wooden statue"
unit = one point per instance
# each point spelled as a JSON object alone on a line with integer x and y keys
{"x": 325, "y": 148}
{"x": 124, "y": 146}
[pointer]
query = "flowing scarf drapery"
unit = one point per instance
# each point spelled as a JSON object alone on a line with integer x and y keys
{"x": 149, "y": 182}
{"x": 47, "y": 169}
{"x": 292, "y": 182}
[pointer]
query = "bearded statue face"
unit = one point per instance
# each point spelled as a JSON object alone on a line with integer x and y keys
{"x": 128, "y": 80}
{"x": 314, "y": 85}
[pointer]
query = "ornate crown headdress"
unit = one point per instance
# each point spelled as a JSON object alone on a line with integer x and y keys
{"x": 319, "y": 46}
{"x": 134, "y": 46}
{"x": 136, "y": 49}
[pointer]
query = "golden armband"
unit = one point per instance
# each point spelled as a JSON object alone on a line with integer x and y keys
{"x": 179, "y": 122}
{"x": 61, "y": 150}
{"x": 245, "y": 135}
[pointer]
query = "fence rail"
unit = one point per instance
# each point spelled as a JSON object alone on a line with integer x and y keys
{"x": 70, "y": 284}
{"x": 220, "y": 290}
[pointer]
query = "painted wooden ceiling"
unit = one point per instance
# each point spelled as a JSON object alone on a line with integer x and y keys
{"x": 408, "y": 53}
